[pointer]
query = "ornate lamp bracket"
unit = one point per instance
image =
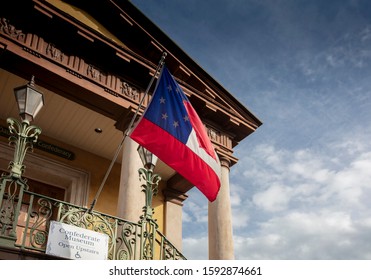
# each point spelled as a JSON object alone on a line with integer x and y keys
{"x": 150, "y": 188}
{"x": 148, "y": 224}
{"x": 12, "y": 185}
{"x": 23, "y": 137}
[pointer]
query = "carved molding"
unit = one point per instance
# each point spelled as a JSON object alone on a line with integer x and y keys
{"x": 220, "y": 138}
{"x": 74, "y": 65}
{"x": 175, "y": 196}
{"x": 10, "y": 30}
{"x": 55, "y": 53}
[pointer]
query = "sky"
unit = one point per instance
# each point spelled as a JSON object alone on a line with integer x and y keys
{"x": 302, "y": 186}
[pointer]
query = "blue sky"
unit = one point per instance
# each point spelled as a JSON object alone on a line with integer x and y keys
{"x": 302, "y": 186}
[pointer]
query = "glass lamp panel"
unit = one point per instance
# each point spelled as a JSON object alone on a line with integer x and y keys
{"x": 20, "y": 96}
{"x": 29, "y": 101}
{"x": 154, "y": 159}
{"x": 148, "y": 159}
{"x": 34, "y": 102}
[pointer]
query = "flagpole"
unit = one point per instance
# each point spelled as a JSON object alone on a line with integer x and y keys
{"x": 159, "y": 66}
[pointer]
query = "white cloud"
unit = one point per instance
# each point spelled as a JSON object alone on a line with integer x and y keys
{"x": 186, "y": 217}
{"x": 240, "y": 219}
{"x": 350, "y": 184}
{"x": 195, "y": 211}
{"x": 195, "y": 248}
{"x": 275, "y": 198}
{"x": 311, "y": 235}
{"x": 306, "y": 203}
{"x": 235, "y": 192}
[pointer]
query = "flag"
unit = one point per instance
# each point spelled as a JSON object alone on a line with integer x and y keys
{"x": 171, "y": 129}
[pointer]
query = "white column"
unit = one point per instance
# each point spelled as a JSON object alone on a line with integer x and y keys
{"x": 173, "y": 216}
{"x": 131, "y": 198}
{"x": 220, "y": 220}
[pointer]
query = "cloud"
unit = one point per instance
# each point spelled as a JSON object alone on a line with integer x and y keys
{"x": 240, "y": 219}
{"x": 349, "y": 185}
{"x": 302, "y": 201}
{"x": 301, "y": 188}
{"x": 195, "y": 248}
{"x": 306, "y": 235}
{"x": 196, "y": 210}
{"x": 195, "y": 217}
{"x": 275, "y": 198}
{"x": 310, "y": 203}
{"x": 350, "y": 50}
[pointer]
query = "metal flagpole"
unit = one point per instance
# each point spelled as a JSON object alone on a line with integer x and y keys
{"x": 162, "y": 60}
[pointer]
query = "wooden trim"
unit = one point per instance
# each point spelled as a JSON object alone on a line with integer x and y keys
{"x": 75, "y": 182}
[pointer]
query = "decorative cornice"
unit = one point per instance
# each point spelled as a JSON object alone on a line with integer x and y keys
{"x": 72, "y": 64}
{"x": 10, "y": 30}
{"x": 220, "y": 138}
{"x": 174, "y": 196}
{"x": 110, "y": 83}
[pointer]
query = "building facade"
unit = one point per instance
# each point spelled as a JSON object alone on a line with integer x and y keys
{"x": 94, "y": 63}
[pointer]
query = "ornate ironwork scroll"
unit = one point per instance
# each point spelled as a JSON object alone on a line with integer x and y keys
{"x": 39, "y": 217}
{"x": 23, "y": 136}
{"x": 126, "y": 241}
{"x": 148, "y": 224}
{"x": 11, "y": 192}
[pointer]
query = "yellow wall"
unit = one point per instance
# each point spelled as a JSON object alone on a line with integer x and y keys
{"x": 158, "y": 205}
{"x": 95, "y": 165}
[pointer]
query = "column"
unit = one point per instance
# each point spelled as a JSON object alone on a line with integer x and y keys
{"x": 220, "y": 220}
{"x": 173, "y": 216}
{"x": 131, "y": 198}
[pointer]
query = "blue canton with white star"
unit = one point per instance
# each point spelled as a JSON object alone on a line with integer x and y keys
{"x": 167, "y": 110}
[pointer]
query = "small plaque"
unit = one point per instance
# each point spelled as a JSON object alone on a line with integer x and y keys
{"x": 71, "y": 242}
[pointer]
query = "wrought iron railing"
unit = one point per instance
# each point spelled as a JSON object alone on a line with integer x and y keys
{"x": 25, "y": 218}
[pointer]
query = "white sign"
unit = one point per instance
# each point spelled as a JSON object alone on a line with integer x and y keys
{"x": 71, "y": 242}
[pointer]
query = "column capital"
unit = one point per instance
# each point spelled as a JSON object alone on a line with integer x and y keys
{"x": 174, "y": 196}
{"x": 124, "y": 120}
{"x": 225, "y": 162}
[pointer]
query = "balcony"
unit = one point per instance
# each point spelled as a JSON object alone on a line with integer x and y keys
{"x": 27, "y": 217}
{"x": 25, "y": 222}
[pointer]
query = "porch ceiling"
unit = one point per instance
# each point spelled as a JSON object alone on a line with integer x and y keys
{"x": 69, "y": 122}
